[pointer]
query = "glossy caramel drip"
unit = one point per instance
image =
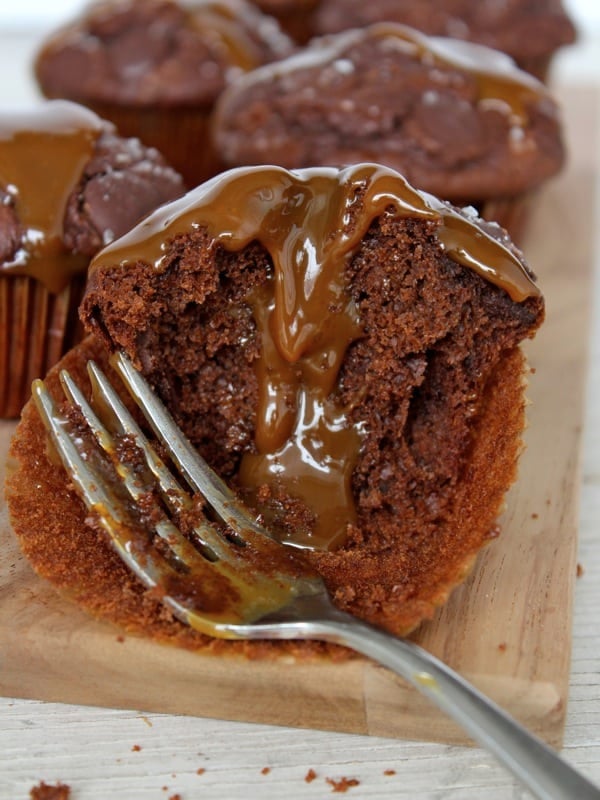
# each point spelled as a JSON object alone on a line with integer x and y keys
{"x": 219, "y": 23}
{"x": 310, "y": 222}
{"x": 42, "y": 157}
{"x": 498, "y": 79}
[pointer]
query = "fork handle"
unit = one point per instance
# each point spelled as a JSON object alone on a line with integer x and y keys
{"x": 531, "y": 761}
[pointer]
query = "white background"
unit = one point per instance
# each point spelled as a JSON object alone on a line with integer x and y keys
{"x": 28, "y": 13}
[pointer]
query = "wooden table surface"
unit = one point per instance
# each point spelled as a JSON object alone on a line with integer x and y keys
{"x": 133, "y": 755}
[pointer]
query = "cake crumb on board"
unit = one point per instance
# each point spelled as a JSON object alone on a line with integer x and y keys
{"x": 342, "y": 784}
{"x": 44, "y": 791}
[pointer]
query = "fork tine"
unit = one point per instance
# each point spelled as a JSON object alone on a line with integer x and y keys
{"x": 191, "y": 464}
{"x": 102, "y": 391}
{"x": 171, "y": 491}
{"x": 217, "y": 598}
{"x": 179, "y": 545}
{"x": 99, "y": 497}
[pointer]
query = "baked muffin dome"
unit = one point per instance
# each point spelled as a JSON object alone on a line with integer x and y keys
{"x": 457, "y": 119}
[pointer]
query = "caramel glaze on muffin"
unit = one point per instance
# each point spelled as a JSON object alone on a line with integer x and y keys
{"x": 399, "y": 327}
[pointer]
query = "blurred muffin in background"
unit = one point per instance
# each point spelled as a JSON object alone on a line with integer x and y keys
{"x": 156, "y": 67}
{"x": 530, "y": 31}
{"x": 294, "y": 16}
{"x": 457, "y": 119}
{"x": 68, "y": 186}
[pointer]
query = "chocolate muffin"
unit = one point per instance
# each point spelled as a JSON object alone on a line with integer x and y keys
{"x": 68, "y": 186}
{"x": 340, "y": 347}
{"x": 156, "y": 67}
{"x": 531, "y": 31}
{"x": 294, "y": 16}
{"x": 456, "y": 119}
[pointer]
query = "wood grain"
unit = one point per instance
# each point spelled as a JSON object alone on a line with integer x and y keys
{"x": 507, "y": 629}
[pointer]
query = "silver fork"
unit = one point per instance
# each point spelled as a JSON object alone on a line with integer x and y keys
{"x": 231, "y": 579}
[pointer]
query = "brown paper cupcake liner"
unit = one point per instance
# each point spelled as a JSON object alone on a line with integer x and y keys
{"x": 36, "y": 328}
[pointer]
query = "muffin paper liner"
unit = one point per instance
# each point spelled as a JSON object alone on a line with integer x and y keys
{"x": 36, "y": 328}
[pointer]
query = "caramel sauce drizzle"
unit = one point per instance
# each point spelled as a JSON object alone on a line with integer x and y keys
{"x": 497, "y": 77}
{"x": 218, "y": 22}
{"x": 310, "y": 222}
{"x": 42, "y": 157}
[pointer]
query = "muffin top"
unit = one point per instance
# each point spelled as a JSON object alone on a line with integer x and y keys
{"x": 157, "y": 52}
{"x": 68, "y": 186}
{"x": 522, "y": 28}
{"x": 457, "y": 119}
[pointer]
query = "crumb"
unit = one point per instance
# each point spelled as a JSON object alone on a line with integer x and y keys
{"x": 200, "y": 771}
{"x": 147, "y": 721}
{"x": 175, "y": 797}
{"x": 502, "y": 647}
{"x": 535, "y": 516}
{"x": 43, "y": 791}
{"x": 343, "y": 784}
{"x": 120, "y": 639}
{"x": 389, "y": 771}
{"x": 580, "y": 571}
{"x": 136, "y": 748}
{"x": 310, "y": 775}
{"x": 265, "y": 770}
{"x": 533, "y": 370}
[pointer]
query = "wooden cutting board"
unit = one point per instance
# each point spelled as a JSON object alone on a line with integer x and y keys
{"x": 508, "y": 629}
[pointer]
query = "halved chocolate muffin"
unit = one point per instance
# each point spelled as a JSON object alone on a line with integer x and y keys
{"x": 341, "y": 348}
